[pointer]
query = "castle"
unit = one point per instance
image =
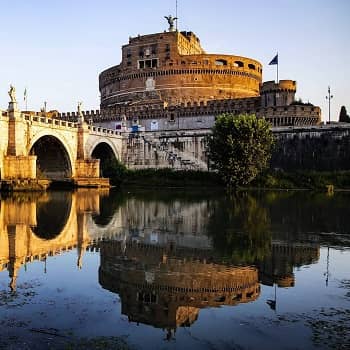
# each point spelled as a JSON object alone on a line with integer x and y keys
{"x": 166, "y": 81}
{"x": 166, "y": 93}
{"x": 157, "y": 109}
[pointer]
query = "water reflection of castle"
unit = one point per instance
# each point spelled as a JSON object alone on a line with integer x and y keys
{"x": 163, "y": 276}
{"x": 167, "y": 285}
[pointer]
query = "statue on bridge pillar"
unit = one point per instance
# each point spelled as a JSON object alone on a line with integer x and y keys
{"x": 13, "y": 102}
{"x": 80, "y": 113}
{"x": 12, "y": 93}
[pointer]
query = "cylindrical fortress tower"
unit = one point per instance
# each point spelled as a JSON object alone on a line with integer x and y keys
{"x": 175, "y": 67}
{"x": 280, "y": 94}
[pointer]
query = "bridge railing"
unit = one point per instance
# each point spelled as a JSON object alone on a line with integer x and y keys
{"x": 103, "y": 131}
{"x": 38, "y": 118}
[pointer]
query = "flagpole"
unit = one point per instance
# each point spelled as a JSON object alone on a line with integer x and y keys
{"x": 277, "y": 67}
{"x": 176, "y": 13}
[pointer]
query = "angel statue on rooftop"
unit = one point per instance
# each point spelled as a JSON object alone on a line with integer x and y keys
{"x": 171, "y": 20}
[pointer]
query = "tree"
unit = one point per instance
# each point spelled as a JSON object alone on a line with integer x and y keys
{"x": 239, "y": 226}
{"x": 343, "y": 116}
{"x": 240, "y": 148}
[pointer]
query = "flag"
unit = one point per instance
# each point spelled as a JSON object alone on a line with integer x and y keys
{"x": 274, "y": 60}
{"x": 25, "y": 94}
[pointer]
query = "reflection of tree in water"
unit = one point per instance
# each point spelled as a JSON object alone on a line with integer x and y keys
{"x": 303, "y": 212}
{"x": 240, "y": 229}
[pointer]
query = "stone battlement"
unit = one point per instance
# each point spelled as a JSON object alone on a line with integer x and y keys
{"x": 293, "y": 114}
{"x": 93, "y": 114}
{"x": 283, "y": 85}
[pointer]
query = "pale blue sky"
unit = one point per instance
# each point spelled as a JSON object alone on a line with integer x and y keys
{"x": 56, "y": 48}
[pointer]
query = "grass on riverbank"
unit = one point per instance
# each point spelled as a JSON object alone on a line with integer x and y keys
{"x": 312, "y": 180}
{"x": 171, "y": 178}
{"x": 270, "y": 179}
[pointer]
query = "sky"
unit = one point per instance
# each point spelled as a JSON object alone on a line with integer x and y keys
{"x": 57, "y": 48}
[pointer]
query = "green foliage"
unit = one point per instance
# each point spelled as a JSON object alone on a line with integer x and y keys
{"x": 170, "y": 178}
{"x": 115, "y": 171}
{"x": 300, "y": 102}
{"x": 313, "y": 180}
{"x": 240, "y": 148}
{"x": 343, "y": 116}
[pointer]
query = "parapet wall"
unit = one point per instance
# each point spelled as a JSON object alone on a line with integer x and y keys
{"x": 283, "y": 85}
{"x": 73, "y": 116}
{"x": 170, "y": 118}
{"x": 322, "y": 148}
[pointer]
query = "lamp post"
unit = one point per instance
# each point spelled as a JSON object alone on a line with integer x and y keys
{"x": 329, "y": 97}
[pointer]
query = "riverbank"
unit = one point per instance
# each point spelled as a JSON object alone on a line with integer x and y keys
{"x": 308, "y": 180}
{"x": 170, "y": 178}
{"x": 270, "y": 179}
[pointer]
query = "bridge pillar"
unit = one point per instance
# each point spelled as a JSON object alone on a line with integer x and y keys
{"x": 16, "y": 166}
{"x": 87, "y": 170}
{"x": 13, "y": 114}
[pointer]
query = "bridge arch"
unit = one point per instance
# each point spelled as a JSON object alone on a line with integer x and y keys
{"x": 91, "y": 146}
{"x": 105, "y": 151}
{"x": 54, "y": 157}
{"x": 52, "y": 216}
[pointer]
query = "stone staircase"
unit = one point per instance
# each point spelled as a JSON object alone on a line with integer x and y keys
{"x": 145, "y": 152}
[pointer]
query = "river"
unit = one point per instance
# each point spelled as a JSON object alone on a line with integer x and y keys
{"x": 174, "y": 269}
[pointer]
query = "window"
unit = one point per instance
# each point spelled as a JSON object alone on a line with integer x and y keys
{"x": 251, "y": 66}
{"x": 239, "y": 64}
{"x": 154, "y": 63}
{"x": 141, "y": 52}
{"x": 221, "y": 62}
{"x": 154, "y": 49}
{"x": 149, "y": 63}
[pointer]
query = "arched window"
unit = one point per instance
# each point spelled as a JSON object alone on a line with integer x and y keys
{"x": 239, "y": 64}
{"x": 251, "y": 66}
{"x": 221, "y": 62}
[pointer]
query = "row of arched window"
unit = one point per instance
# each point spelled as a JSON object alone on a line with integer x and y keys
{"x": 155, "y": 73}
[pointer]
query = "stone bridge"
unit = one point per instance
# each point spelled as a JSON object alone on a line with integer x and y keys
{"x": 36, "y": 149}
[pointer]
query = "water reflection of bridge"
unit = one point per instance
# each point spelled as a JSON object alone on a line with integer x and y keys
{"x": 163, "y": 276}
{"x": 36, "y": 226}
